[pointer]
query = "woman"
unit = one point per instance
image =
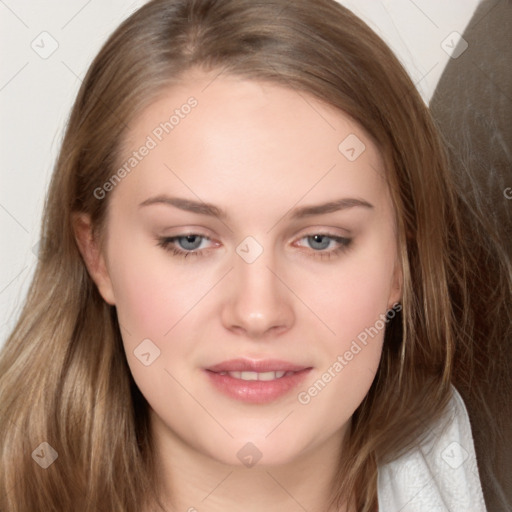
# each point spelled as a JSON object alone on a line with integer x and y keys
{"x": 254, "y": 282}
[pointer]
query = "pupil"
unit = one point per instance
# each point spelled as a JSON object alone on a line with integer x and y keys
{"x": 190, "y": 242}
{"x": 319, "y": 241}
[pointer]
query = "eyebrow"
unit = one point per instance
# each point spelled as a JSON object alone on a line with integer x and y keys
{"x": 203, "y": 208}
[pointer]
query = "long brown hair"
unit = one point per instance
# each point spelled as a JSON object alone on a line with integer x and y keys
{"x": 64, "y": 377}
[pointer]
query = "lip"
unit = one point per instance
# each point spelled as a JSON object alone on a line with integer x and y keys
{"x": 256, "y": 391}
{"x": 250, "y": 365}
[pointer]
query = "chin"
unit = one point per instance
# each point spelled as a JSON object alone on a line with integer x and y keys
{"x": 249, "y": 451}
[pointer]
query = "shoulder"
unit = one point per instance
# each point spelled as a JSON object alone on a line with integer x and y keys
{"x": 438, "y": 475}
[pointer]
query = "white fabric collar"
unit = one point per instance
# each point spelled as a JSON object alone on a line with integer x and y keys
{"x": 439, "y": 475}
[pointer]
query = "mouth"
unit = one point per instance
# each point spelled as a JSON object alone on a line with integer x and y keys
{"x": 250, "y": 376}
{"x": 244, "y": 365}
{"x": 256, "y": 382}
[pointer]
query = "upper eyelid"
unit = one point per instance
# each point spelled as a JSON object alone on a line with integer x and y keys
{"x": 314, "y": 230}
{"x": 325, "y": 230}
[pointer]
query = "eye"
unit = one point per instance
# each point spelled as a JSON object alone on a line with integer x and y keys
{"x": 189, "y": 242}
{"x": 325, "y": 245}
{"x": 185, "y": 245}
{"x": 319, "y": 242}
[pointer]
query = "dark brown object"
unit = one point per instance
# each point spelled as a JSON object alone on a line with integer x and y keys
{"x": 472, "y": 106}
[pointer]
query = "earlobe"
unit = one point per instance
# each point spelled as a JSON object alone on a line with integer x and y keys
{"x": 397, "y": 286}
{"x": 93, "y": 256}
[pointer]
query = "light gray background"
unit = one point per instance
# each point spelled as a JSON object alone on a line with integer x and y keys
{"x": 37, "y": 91}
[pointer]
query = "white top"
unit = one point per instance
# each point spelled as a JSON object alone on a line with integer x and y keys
{"x": 439, "y": 475}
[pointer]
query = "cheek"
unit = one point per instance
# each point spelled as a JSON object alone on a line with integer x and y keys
{"x": 140, "y": 294}
{"x": 351, "y": 297}
{"x": 151, "y": 303}
{"x": 151, "y": 294}
{"x": 351, "y": 300}
{"x": 353, "y": 305}
{"x": 142, "y": 301}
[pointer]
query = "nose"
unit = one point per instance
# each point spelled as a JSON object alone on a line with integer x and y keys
{"x": 258, "y": 302}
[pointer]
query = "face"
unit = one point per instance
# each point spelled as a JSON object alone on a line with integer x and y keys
{"x": 257, "y": 227}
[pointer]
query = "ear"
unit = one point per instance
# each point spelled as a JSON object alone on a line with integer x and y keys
{"x": 396, "y": 285}
{"x": 93, "y": 256}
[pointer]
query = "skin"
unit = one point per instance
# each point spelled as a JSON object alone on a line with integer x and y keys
{"x": 258, "y": 151}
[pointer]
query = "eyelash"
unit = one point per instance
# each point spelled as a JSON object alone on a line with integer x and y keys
{"x": 167, "y": 244}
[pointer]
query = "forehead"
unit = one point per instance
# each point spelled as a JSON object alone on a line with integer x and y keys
{"x": 230, "y": 139}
